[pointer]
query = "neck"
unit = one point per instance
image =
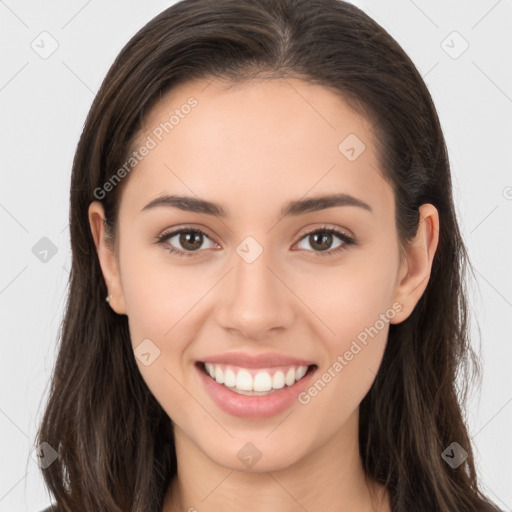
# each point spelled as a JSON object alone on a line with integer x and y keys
{"x": 329, "y": 479}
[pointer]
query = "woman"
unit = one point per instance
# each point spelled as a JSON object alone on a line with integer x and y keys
{"x": 262, "y": 195}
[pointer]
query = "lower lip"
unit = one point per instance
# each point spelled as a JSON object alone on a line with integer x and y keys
{"x": 254, "y": 407}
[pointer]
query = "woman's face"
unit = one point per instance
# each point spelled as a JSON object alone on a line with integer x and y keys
{"x": 266, "y": 293}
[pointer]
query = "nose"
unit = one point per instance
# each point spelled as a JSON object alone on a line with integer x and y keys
{"x": 255, "y": 302}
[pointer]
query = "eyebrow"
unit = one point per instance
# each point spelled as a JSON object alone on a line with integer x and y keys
{"x": 293, "y": 208}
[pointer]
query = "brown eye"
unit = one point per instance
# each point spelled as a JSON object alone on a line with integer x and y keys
{"x": 184, "y": 242}
{"x": 191, "y": 240}
{"x": 321, "y": 241}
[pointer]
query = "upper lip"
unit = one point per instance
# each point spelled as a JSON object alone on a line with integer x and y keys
{"x": 266, "y": 360}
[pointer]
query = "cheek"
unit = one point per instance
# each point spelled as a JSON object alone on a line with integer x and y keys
{"x": 159, "y": 309}
{"x": 165, "y": 307}
{"x": 354, "y": 303}
{"x": 359, "y": 318}
{"x": 158, "y": 305}
{"x": 350, "y": 297}
{"x": 157, "y": 294}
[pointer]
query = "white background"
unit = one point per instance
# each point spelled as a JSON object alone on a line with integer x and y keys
{"x": 44, "y": 103}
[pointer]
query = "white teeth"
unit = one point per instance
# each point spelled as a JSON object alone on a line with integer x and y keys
{"x": 262, "y": 382}
{"x": 278, "y": 380}
{"x": 290, "y": 377}
{"x": 210, "y": 368}
{"x": 301, "y": 371}
{"x": 219, "y": 375}
{"x": 229, "y": 378}
{"x": 242, "y": 379}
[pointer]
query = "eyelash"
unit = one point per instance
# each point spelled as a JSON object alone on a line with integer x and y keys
{"x": 347, "y": 240}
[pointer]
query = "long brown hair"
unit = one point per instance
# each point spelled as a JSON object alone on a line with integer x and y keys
{"x": 114, "y": 440}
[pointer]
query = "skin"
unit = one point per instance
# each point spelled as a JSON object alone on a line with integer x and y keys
{"x": 252, "y": 148}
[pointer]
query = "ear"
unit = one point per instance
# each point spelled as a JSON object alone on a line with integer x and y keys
{"x": 107, "y": 257}
{"x": 416, "y": 265}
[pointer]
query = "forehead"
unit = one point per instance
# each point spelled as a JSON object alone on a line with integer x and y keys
{"x": 256, "y": 143}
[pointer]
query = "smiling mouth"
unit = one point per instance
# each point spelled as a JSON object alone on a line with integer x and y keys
{"x": 254, "y": 381}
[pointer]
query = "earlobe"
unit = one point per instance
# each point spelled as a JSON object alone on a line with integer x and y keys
{"x": 107, "y": 258}
{"x": 417, "y": 265}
